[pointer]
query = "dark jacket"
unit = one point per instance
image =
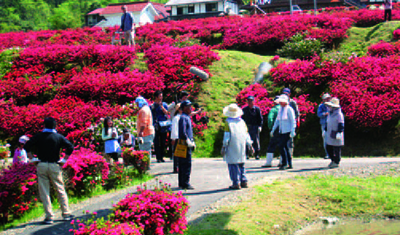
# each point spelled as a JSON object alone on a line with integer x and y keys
{"x": 252, "y": 117}
{"x": 47, "y": 146}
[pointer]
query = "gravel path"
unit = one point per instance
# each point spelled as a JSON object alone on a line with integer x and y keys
{"x": 211, "y": 180}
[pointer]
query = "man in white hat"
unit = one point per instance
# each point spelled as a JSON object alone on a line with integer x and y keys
{"x": 236, "y": 139}
{"x": 323, "y": 114}
{"x": 334, "y": 135}
{"x": 286, "y": 122}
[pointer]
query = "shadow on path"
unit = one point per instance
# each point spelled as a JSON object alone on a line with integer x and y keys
{"x": 206, "y": 192}
{"x": 211, "y": 224}
{"x": 62, "y": 227}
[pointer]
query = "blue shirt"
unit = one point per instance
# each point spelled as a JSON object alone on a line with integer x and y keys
{"x": 126, "y": 21}
{"x": 159, "y": 116}
{"x": 321, "y": 110}
{"x": 185, "y": 128}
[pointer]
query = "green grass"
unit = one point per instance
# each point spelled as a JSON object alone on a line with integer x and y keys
{"x": 361, "y": 38}
{"x": 38, "y": 211}
{"x": 233, "y": 72}
{"x": 284, "y": 206}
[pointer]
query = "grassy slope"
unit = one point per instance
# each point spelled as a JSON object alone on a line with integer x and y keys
{"x": 361, "y": 38}
{"x": 271, "y": 211}
{"x": 233, "y": 72}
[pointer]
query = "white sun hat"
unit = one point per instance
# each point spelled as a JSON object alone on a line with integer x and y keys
{"x": 233, "y": 111}
{"x": 333, "y": 103}
{"x": 326, "y": 96}
{"x": 283, "y": 98}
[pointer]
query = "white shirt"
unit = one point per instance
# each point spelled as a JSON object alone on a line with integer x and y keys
{"x": 175, "y": 127}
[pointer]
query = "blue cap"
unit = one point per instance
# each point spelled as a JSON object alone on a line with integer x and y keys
{"x": 250, "y": 97}
{"x": 286, "y": 90}
{"x": 185, "y": 103}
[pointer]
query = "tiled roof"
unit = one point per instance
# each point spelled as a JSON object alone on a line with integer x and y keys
{"x": 97, "y": 11}
{"x": 161, "y": 9}
{"x": 185, "y": 2}
{"x": 116, "y": 8}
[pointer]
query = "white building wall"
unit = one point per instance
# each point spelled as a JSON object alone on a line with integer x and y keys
{"x": 196, "y": 8}
{"x": 233, "y": 6}
{"x": 202, "y": 8}
{"x": 173, "y": 10}
{"x": 220, "y": 6}
{"x": 138, "y": 17}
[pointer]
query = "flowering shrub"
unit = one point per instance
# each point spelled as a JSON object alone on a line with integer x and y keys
{"x": 85, "y": 169}
{"x": 18, "y": 185}
{"x": 368, "y": 87}
{"x": 108, "y": 228}
{"x": 172, "y": 64}
{"x": 157, "y": 212}
{"x": 384, "y": 49}
{"x": 396, "y": 34}
{"x": 70, "y": 113}
{"x": 197, "y": 125}
{"x": 120, "y": 88}
{"x": 4, "y": 150}
{"x": 139, "y": 159}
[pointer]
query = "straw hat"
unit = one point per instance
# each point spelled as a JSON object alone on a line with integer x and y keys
{"x": 333, "y": 103}
{"x": 283, "y": 98}
{"x": 232, "y": 111}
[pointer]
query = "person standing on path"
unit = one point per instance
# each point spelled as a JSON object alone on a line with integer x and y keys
{"x": 144, "y": 125}
{"x": 109, "y": 135}
{"x": 186, "y": 136}
{"x": 48, "y": 145}
{"x": 162, "y": 125}
{"x": 323, "y": 114}
{"x": 127, "y": 26}
{"x": 254, "y": 121}
{"x": 388, "y": 4}
{"x": 273, "y": 142}
{"x": 295, "y": 107}
{"x": 236, "y": 138}
{"x": 286, "y": 124}
{"x": 175, "y": 134}
{"x": 334, "y": 134}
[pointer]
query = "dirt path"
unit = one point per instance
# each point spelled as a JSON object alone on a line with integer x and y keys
{"x": 210, "y": 179}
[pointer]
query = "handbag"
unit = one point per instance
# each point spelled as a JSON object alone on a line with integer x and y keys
{"x": 112, "y": 146}
{"x": 181, "y": 149}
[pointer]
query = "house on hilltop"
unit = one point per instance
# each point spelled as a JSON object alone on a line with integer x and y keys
{"x": 194, "y": 9}
{"x": 143, "y": 13}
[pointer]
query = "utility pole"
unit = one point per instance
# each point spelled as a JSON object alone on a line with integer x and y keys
{"x": 291, "y": 7}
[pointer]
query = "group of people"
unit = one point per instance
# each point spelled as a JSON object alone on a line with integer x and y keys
{"x": 243, "y": 127}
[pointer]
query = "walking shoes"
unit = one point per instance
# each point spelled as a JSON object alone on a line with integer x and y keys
{"x": 333, "y": 165}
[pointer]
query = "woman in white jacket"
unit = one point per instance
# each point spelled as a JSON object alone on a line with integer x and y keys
{"x": 236, "y": 138}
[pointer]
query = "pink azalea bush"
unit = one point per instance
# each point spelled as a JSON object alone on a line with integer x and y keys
{"x": 85, "y": 169}
{"x": 368, "y": 87}
{"x": 384, "y": 49}
{"x": 156, "y": 212}
{"x": 139, "y": 159}
{"x": 18, "y": 190}
{"x": 396, "y": 34}
{"x": 172, "y": 64}
{"x": 108, "y": 228}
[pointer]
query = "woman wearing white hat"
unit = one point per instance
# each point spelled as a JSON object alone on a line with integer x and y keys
{"x": 334, "y": 135}
{"x": 286, "y": 122}
{"x": 236, "y": 138}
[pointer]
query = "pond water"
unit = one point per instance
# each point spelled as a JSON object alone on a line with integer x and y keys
{"x": 386, "y": 227}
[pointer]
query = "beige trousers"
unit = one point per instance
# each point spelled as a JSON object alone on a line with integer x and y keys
{"x": 51, "y": 172}
{"x": 129, "y": 37}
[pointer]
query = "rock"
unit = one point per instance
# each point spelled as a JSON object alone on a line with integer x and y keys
{"x": 263, "y": 69}
{"x": 329, "y": 220}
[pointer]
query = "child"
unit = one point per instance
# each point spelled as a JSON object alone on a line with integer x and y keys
{"x": 110, "y": 136}
{"x": 20, "y": 153}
